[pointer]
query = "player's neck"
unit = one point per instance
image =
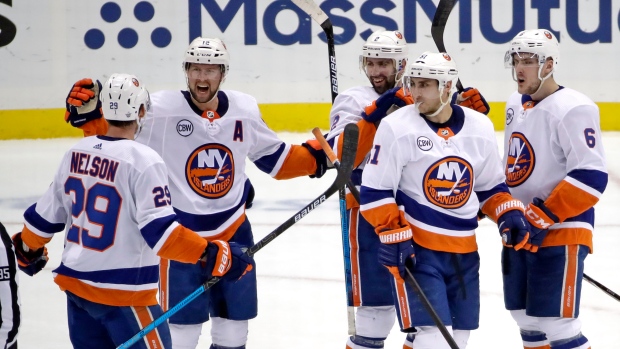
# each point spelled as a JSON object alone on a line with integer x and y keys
{"x": 210, "y": 105}
{"x": 121, "y": 132}
{"x": 549, "y": 87}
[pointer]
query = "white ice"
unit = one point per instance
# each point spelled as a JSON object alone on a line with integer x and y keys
{"x": 300, "y": 274}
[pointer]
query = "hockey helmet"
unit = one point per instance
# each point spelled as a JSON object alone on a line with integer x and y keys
{"x": 431, "y": 65}
{"x": 207, "y": 51}
{"x": 540, "y": 42}
{"x": 385, "y": 44}
{"x": 121, "y": 97}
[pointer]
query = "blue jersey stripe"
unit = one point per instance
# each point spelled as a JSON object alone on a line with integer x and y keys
{"x": 122, "y": 276}
{"x": 32, "y": 217}
{"x": 206, "y": 222}
{"x": 153, "y": 231}
{"x": 434, "y": 218}
{"x": 368, "y": 195}
{"x": 484, "y": 195}
{"x": 268, "y": 162}
{"x": 594, "y": 179}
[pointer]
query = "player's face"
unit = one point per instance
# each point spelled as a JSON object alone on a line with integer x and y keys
{"x": 203, "y": 81}
{"x": 381, "y": 73}
{"x": 526, "y": 71}
{"x": 425, "y": 93}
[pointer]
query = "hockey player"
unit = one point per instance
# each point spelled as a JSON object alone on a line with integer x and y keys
{"x": 555, "y": 163}
{"x": 204, "y": 135}
{"x": 111, "y": 195}
{"x": 433, "y": 165}
{"x": 10, "y": 315}
{"x": 383, "y": 60}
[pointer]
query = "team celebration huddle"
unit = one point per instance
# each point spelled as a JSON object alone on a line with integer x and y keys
{"x": 152, "y": 201}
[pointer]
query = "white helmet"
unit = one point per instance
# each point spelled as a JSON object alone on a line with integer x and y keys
{"x": 537, "y": 41}
{"x": 121, "y": 97}
{"x": 207, "y": 51}
{"x": 432, "y": 65}
{"x": 385, "y": 44}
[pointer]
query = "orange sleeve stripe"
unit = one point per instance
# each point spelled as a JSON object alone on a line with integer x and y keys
{"x": 367, "y": 131}
{"x": 569, "y": 236}
{"x": 183, "y": 245}
{"x": 97, "y": 127}
{"x": 351, "y": 202}
{"x": 567, "y": 200}
{"x": 32, "y": 240}
{"x": 493, "y": 206}
{"x": 299, "y": 162}
{"x": 445, "y": 243}
{"x": 105, "y": 295}
{"x": 385, "y": 217}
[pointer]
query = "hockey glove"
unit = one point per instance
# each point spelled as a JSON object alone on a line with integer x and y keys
{"x": 472, "y": 99}
{"x": 379, "y": 108}
{"x": 396, "y": 250}
{"x": 540, "y": 219}
{"x": 318, "y": 153}
{"x": 226, "y": 260}
{"x": 513, "y": 228}
{"x": 28, "y": 261}
{"x": 83, "y": 104}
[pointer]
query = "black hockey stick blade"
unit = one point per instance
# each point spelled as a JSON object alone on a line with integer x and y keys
{"x": 602, "y": 287}
{"x": 429, "y": 308}
{"x": 351, "y": 133}
{"x": 444, "y": 8}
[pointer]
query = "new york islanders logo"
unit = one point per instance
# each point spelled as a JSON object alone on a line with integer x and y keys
{"x": 209, "y": 170}
{"x": 520, "y": 160}
{"x": 448, "y": 182}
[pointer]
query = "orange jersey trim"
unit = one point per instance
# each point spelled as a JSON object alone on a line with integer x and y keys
{"x": 567, "y": 200}
{"x": 444, "y": 243}
{"x": 107, "y": 296}
{"x": 299, "y": 162}
{"x": 32, "y": 240}
{"x": 183, "y": 245}
{"x": 350, "y": 201}
{"x": 569, "y": 236}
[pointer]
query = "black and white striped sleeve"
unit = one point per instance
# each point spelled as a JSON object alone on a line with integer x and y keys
{"x": 9, "y": 297}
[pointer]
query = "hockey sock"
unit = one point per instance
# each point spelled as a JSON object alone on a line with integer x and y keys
{"x": 534, "y": 340}
{"x": 360, "y": 342}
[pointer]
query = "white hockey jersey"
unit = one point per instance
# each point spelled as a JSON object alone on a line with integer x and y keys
{"x": 436, "y": 175}
{"x": 347, "y": 109}
{"x": 553, "y": 150}
{"x": 111, "y": 196}
{"x": 206, "y": 156}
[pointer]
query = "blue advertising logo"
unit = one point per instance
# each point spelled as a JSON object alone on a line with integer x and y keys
{"x": 127, "y": 37}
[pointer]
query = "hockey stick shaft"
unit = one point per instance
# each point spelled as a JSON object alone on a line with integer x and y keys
{"x": 429, "y": 308}
{"x": 602, "y": 287}
{"x": 315, "y": 12}
{"x": 444, "y": 8}
{"x": 346, "y": 250}
{"x": 344, "y": 173}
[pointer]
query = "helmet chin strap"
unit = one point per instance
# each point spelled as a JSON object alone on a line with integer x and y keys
{"x": 443, "y": 104}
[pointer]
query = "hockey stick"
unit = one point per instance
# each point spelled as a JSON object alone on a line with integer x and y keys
{"x": 602, "y": 287}
{"x": 348, "y": 157}
{"x": 334, "y": 159}
{"x": 315, "y": 12}
{"x": 439, "y": 25}
{"x": 429, "y": 308}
